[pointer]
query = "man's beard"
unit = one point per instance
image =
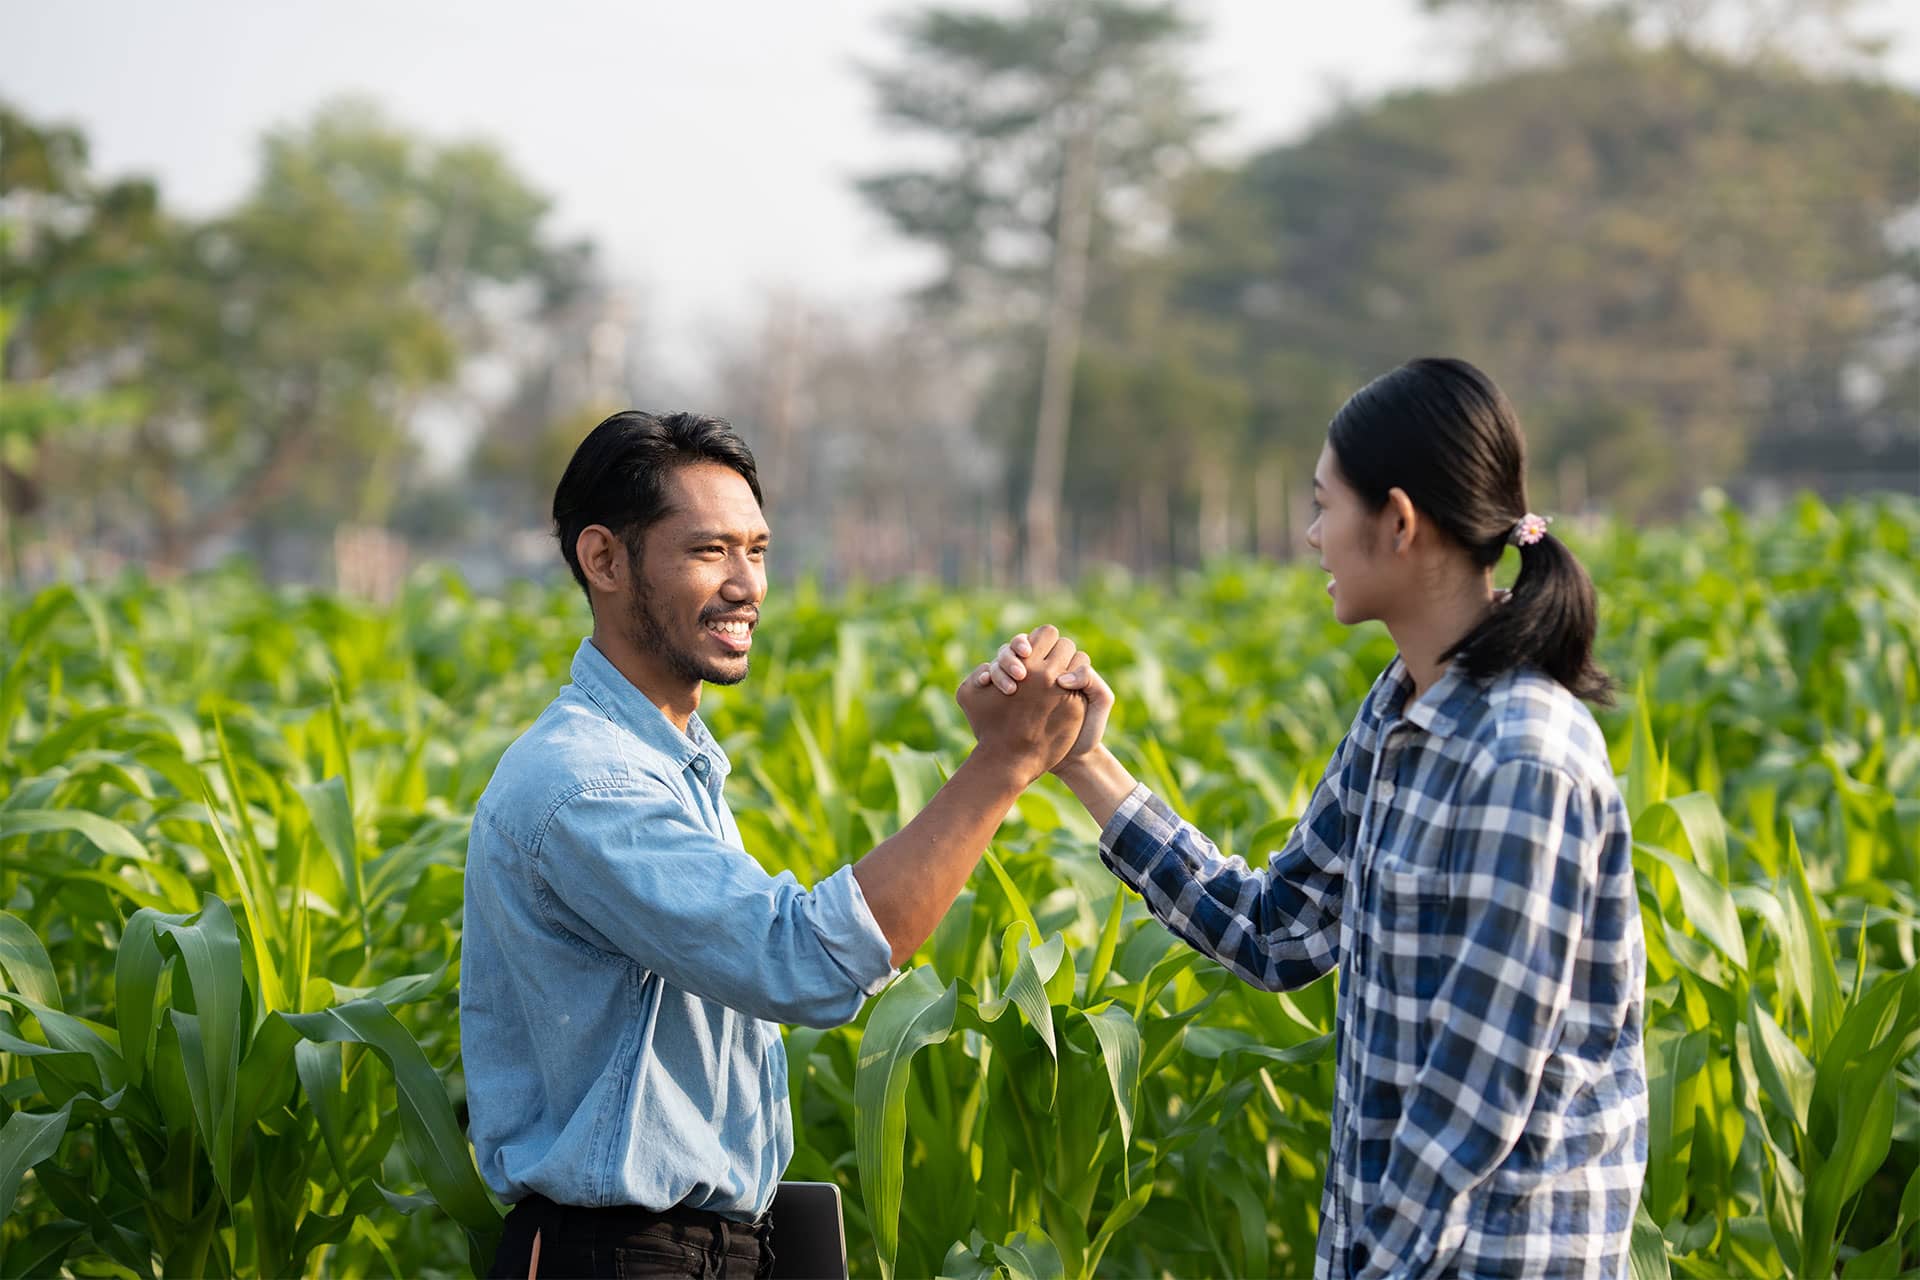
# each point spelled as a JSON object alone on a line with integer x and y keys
{"x": 650, "y": 634}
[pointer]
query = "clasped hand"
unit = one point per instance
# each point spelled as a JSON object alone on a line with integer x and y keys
{"x": 1040, "y": 700}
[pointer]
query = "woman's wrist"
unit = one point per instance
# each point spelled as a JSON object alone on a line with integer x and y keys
{"x": 1078, "y": 763}
{"x": 1098, "y": 780}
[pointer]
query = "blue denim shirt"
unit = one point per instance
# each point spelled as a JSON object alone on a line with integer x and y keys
{"x": 625, "y": 964}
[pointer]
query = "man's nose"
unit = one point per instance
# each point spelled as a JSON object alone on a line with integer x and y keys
{"x": 746, "y": 582}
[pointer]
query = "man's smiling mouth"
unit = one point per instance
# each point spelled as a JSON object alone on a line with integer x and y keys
{"x": 735, "y": 633}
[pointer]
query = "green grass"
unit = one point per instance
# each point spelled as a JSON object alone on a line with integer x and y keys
{"x": 232, "y": 821}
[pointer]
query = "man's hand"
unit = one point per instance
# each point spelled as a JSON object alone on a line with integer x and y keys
{"x": 1011, "y": 666}
{"x": 1034, "y": 730}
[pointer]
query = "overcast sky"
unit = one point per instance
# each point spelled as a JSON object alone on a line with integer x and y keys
{"x": 708, "y": 148}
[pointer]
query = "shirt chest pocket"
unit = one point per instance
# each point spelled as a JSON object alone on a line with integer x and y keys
{"x": 1408, "y": 906}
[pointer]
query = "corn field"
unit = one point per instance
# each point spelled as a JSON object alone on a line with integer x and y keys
{"x": 233, "y": 819}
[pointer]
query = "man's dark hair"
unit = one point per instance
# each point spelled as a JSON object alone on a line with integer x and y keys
{"x": 618, "y": 475}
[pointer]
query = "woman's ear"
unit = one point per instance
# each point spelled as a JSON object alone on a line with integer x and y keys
{"x": 1403, "y": 518}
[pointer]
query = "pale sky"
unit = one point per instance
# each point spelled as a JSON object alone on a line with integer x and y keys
{"x": 708, "y": 148}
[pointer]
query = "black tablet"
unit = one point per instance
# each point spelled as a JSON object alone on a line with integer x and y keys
{"x": 809, "y": 1240}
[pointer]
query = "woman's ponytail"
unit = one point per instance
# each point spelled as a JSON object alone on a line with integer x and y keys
{"x": 1547, "y": 620}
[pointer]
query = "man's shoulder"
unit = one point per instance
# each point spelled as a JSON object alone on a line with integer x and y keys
{"x": 572, "y": 748}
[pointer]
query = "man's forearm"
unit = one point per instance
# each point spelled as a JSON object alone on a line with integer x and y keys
{"x": 913, "y": 876}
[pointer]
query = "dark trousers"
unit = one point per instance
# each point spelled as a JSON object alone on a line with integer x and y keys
{"x": 624, "y": 1241}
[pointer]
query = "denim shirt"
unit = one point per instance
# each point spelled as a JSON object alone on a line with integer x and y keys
{"x": 625, "y": 965}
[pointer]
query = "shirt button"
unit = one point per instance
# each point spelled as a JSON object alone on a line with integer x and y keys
{"x": 700, "y": 765}
{"x": 1386, "y": 790}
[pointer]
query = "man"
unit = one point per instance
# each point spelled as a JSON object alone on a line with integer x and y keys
{"x": 625, "y": 962}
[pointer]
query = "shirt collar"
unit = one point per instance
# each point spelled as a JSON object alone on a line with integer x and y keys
{"x": 1441, "y": 710}
{"x": 1445, "y": 706}
{"x": 635, "y": 712}
{"x": 1390, "y": 691}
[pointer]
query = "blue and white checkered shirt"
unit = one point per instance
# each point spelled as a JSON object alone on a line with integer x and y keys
{"x": 1468, "y": 863}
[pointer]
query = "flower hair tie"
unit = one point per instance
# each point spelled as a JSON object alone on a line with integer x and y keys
{"x": 1530, "y": 530}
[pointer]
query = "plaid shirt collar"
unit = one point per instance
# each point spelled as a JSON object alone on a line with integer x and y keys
{"x": 1454, "y": 704}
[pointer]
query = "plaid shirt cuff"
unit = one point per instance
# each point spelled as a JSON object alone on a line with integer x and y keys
{"x": 1136, "y": 834}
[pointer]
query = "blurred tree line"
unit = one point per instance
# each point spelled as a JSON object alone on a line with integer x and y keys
{"x": 1684, "y": 234}
{"x": 176, "y": 387}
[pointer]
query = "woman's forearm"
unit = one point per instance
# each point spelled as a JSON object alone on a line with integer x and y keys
{"x": 1098, "y": 781}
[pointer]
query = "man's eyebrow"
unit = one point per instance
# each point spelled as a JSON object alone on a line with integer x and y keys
{"x": 720, "y": 535}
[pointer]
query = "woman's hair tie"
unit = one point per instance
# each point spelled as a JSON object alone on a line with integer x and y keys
{"x": 1529, "y": 530}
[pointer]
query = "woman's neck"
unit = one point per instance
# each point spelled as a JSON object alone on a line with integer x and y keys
{"x": 1435, "y": 624}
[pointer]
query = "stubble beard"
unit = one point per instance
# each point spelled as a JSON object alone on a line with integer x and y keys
{"x": 650, "y": 634}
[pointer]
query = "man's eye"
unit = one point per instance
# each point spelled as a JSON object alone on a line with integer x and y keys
{"x": 758, "y": 553}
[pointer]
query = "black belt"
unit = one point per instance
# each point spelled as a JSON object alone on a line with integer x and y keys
{"x": 633, "y": 1217}
{"x": 568, "y": 1230}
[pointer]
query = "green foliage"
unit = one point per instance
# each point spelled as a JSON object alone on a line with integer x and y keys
{"x": 260, "y": 366}
{"x": 232, "y": 823}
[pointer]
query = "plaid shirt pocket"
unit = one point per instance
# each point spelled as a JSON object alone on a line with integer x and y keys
{"x": 1407, "y": 906}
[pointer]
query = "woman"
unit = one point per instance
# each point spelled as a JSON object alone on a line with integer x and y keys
{"x": 1466, "y": 861}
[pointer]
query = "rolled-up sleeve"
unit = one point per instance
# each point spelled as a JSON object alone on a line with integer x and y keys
{"x": 626, "y": 861}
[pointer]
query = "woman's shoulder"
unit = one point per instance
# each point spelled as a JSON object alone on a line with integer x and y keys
{"x": 1531, "y": 717}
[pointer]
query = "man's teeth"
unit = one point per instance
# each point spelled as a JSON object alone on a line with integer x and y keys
{"x": 738, "y": 629}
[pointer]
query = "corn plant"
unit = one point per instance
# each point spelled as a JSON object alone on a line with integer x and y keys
{"x": 233, "y": 817}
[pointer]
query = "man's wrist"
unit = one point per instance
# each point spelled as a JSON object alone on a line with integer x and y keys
{"x": 1002, "y": 768}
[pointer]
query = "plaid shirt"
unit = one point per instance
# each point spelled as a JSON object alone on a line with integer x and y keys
{"x": 1467, "y": 862}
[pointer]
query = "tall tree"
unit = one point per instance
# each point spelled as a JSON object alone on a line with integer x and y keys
{"x": 1061, "y": 124}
